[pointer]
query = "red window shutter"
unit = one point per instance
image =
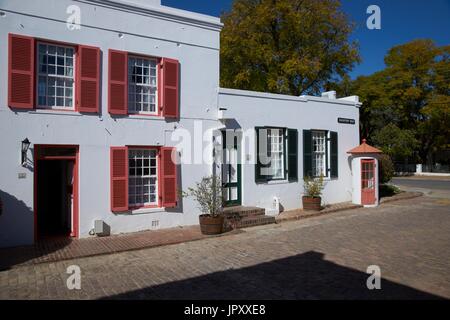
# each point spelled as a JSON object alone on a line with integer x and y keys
{"x": 170, "y": 88}
{"x": 88, "y": 79}
{"x": 119, "y": 179}
{"x": 20, "y": 72}
{"x": 168, "y": 178}
{"x": 118, "y": 82}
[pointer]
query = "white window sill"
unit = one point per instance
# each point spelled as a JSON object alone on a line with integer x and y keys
{"x": 328, "y": 178}
{"x": 59, "y": 112}
{"x": 284, "y": 181}
{"x": 146, "y": 210}
{"x": 145, "y": 117}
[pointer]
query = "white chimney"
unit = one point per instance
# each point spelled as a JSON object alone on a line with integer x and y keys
{"x": 329, "y": 94}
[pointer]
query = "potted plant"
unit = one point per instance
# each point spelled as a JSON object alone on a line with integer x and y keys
{"x": 313, "y": 190}
{"x": 208, "y": 194}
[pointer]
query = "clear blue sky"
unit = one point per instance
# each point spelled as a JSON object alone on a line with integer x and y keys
{"x": 401, "y": 21}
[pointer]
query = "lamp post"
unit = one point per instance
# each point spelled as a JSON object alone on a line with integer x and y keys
{"x": 25, "y": 146}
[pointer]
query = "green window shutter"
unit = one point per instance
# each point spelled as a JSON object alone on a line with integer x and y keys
{"x": 292, "y": 154}
{"x": 307, "y": 153}
{"x": 258, "y": 165}
{"x": 333, "y": 154}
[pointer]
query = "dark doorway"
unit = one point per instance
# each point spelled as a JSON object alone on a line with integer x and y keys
{"x": 56, "y": 191}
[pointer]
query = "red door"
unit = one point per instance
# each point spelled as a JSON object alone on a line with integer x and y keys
{"x": 368, "y": 182}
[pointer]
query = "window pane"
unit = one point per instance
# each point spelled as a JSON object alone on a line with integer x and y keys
{"x": 275, "y": 140}
{"x": 51, "y": 101}
{"x": 56, "y": 78}
{"x": 42, "y": 86}
{"x": 319, "y": 149}
{"x": 142, "y": 86}
{"x": 142, "y": 177}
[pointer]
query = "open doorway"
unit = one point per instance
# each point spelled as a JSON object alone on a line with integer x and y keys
{"x": 56, "y": 191}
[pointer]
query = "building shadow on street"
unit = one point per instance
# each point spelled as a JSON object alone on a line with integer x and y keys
{"x": 303, "y": 276}
{"x": 19, "y": 219}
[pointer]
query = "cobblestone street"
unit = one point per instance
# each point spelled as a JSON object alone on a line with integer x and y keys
{"x": 317, "y": 258}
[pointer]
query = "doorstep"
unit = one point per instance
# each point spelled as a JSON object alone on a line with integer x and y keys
{"x": 244, "y": 217}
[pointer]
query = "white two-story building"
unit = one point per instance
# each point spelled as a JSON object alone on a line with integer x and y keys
{"x": 109, "y": 108}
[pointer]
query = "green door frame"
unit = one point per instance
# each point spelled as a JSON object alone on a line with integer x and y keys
{"x": 226, "y": 187}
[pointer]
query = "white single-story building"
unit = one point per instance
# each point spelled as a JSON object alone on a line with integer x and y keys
{"x": 108, "y": 108}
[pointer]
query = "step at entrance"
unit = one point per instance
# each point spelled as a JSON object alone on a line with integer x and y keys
{"x": 243, "y": 217}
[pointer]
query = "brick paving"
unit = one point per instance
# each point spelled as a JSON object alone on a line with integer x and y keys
{"x": 318, "y": 258}
{"x": 53, "y": 250}
{"x": 63, "y": 248}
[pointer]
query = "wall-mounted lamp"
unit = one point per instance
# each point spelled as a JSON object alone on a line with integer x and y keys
{"x": 25, "y": 146}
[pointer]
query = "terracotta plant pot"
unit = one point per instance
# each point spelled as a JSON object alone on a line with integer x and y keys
{"x": 211, "y": 225}
{"x": 311, "y": 203}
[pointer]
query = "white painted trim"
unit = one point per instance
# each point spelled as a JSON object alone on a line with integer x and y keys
{"x": 266, "y": 95}
{"x": 255, "y": 94}
{"x": 162, "y": 12}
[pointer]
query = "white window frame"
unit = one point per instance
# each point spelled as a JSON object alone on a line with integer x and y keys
{"x": 40, "y": 74}
{"x": 282, "y": 153}
{"x": 268, "y": 170}
{"x": 130, "y": 83}
{"x": 322, "y": 153}
{"x": 137, "y": 205}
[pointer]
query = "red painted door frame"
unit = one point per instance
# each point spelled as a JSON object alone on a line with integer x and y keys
{"x": 368, "y": 181}
{"x": 75, "y": 212}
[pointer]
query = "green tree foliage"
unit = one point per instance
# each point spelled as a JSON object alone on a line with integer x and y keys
{"x": 386, "y": 171}
{"x": 412, "y": 92}
{"x": 395, "y": 142}
{"x": 285, "y": 46}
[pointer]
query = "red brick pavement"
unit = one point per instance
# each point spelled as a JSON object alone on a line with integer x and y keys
{"x": 63, "y": 249}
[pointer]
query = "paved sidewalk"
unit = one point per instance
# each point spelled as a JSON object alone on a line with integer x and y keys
{"x": 325, "y": 257}
{"x": 299, "y": 214}
{"x": 401, "y": 196}
{"x": 65, "y": 249}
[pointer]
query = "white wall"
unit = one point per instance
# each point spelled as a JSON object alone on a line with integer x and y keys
{"x": 191, "y": 38}
{"x": 251, "y": 109}
{"x": 155, "y": 30}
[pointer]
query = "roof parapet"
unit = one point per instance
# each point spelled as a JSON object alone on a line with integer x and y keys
{"x": 153, "y": 7}
{"x": 350, "y": 98}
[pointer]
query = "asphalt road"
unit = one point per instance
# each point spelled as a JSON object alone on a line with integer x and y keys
{"x": 422, "y": 183}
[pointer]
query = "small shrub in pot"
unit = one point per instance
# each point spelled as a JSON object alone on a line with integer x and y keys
{"x": 312, "y": 193}
{"x": 208, "y": 195}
